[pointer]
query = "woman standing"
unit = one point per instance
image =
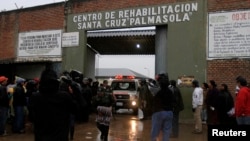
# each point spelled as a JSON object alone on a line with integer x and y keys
{"x": 212, "y": 103}
{"x": 103, "y": 102}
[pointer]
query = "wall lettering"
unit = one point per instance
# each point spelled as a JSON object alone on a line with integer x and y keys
{"x": 143, "y": 16}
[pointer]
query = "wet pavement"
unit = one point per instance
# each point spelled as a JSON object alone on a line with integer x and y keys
{"x": 124, "y": 127}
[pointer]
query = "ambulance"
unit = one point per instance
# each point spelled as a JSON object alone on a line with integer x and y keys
{"x": 125, "y": 91}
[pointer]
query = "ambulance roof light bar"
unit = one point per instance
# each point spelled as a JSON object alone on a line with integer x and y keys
{"x": 122, "y": 77}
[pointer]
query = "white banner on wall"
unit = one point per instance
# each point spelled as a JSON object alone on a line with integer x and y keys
{"x": 229, "y": 35}
{"x": 70, "y": 39}
{"x": 41, "y": 43}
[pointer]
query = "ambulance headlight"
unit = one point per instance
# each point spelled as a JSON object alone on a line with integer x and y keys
{"x": 133, "y": 103}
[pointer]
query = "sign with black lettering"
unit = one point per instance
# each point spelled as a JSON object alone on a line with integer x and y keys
{"x": 41, "y": 43}
{"x": 70, "y": 39}
{"x": 229, "y": 35}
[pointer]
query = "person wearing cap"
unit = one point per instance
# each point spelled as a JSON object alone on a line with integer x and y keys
{"x": 19, "y": 103}
{"x": 197, "y": 102}
{"x": 4, "y": 104}
{"x": 103, "y": 102}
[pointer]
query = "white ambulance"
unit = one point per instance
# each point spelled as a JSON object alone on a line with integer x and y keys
{"x": 125, "y": 90}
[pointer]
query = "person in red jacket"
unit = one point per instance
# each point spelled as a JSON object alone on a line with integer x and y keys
{"x": 242, "y": 102}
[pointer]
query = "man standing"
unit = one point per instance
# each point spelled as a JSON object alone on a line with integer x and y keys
{"x": 145, "y": 98}
{"x": 178, "y": 107}
{"x": 197, "y": 102}
{"x": 4, "y": 104}
{"x": 242, "y": 102}
{"x": 162, "y": 110}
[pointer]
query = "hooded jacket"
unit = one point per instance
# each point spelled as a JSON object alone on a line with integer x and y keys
{"x": 51, "y": 109}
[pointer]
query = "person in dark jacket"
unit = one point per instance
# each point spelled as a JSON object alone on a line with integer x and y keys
{"x": 68, "y": 85}
{"x": 87, "y": 94}
{"x": 178, "y": 107}
{"x": 4, "y": 105}
{"x": 162, "y": 110}
{"x": 51, "y": 109}
{"x": 212, "y": 103}
{"x": 31, "y": 87}
{"x": 145, "y": 99}
{"x": 19, "y": 103}
{"x": 225, "y": 104}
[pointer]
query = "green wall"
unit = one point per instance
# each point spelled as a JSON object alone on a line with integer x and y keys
{"x": 186, "y": 51}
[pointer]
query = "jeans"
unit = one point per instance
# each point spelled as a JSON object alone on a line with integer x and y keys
{"x": 72, "y": 126}
{"x": 18, "y": 124}
{"x": 161, "y": 121}
{"x": 175, "y": 128}
{"x": 243, "y": 120}
{"x": 3, "y": 119}
{"x": 204, "y": 114}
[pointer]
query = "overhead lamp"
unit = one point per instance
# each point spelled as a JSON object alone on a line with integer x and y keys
{"x": 138, "y": 46}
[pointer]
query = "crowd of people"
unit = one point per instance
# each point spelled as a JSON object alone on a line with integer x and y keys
{"x": 47, "y": 102}
{"x": 216, "y": 105}
{"x": 51, "y": 100}
{"x": 211, "y": 105}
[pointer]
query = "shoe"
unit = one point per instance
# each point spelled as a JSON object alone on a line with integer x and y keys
{"x": 21, "y": 132}
{"x": 4, "y": 135}
{"x": 197, "y": 132}
{"x": 141, "y": 119}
